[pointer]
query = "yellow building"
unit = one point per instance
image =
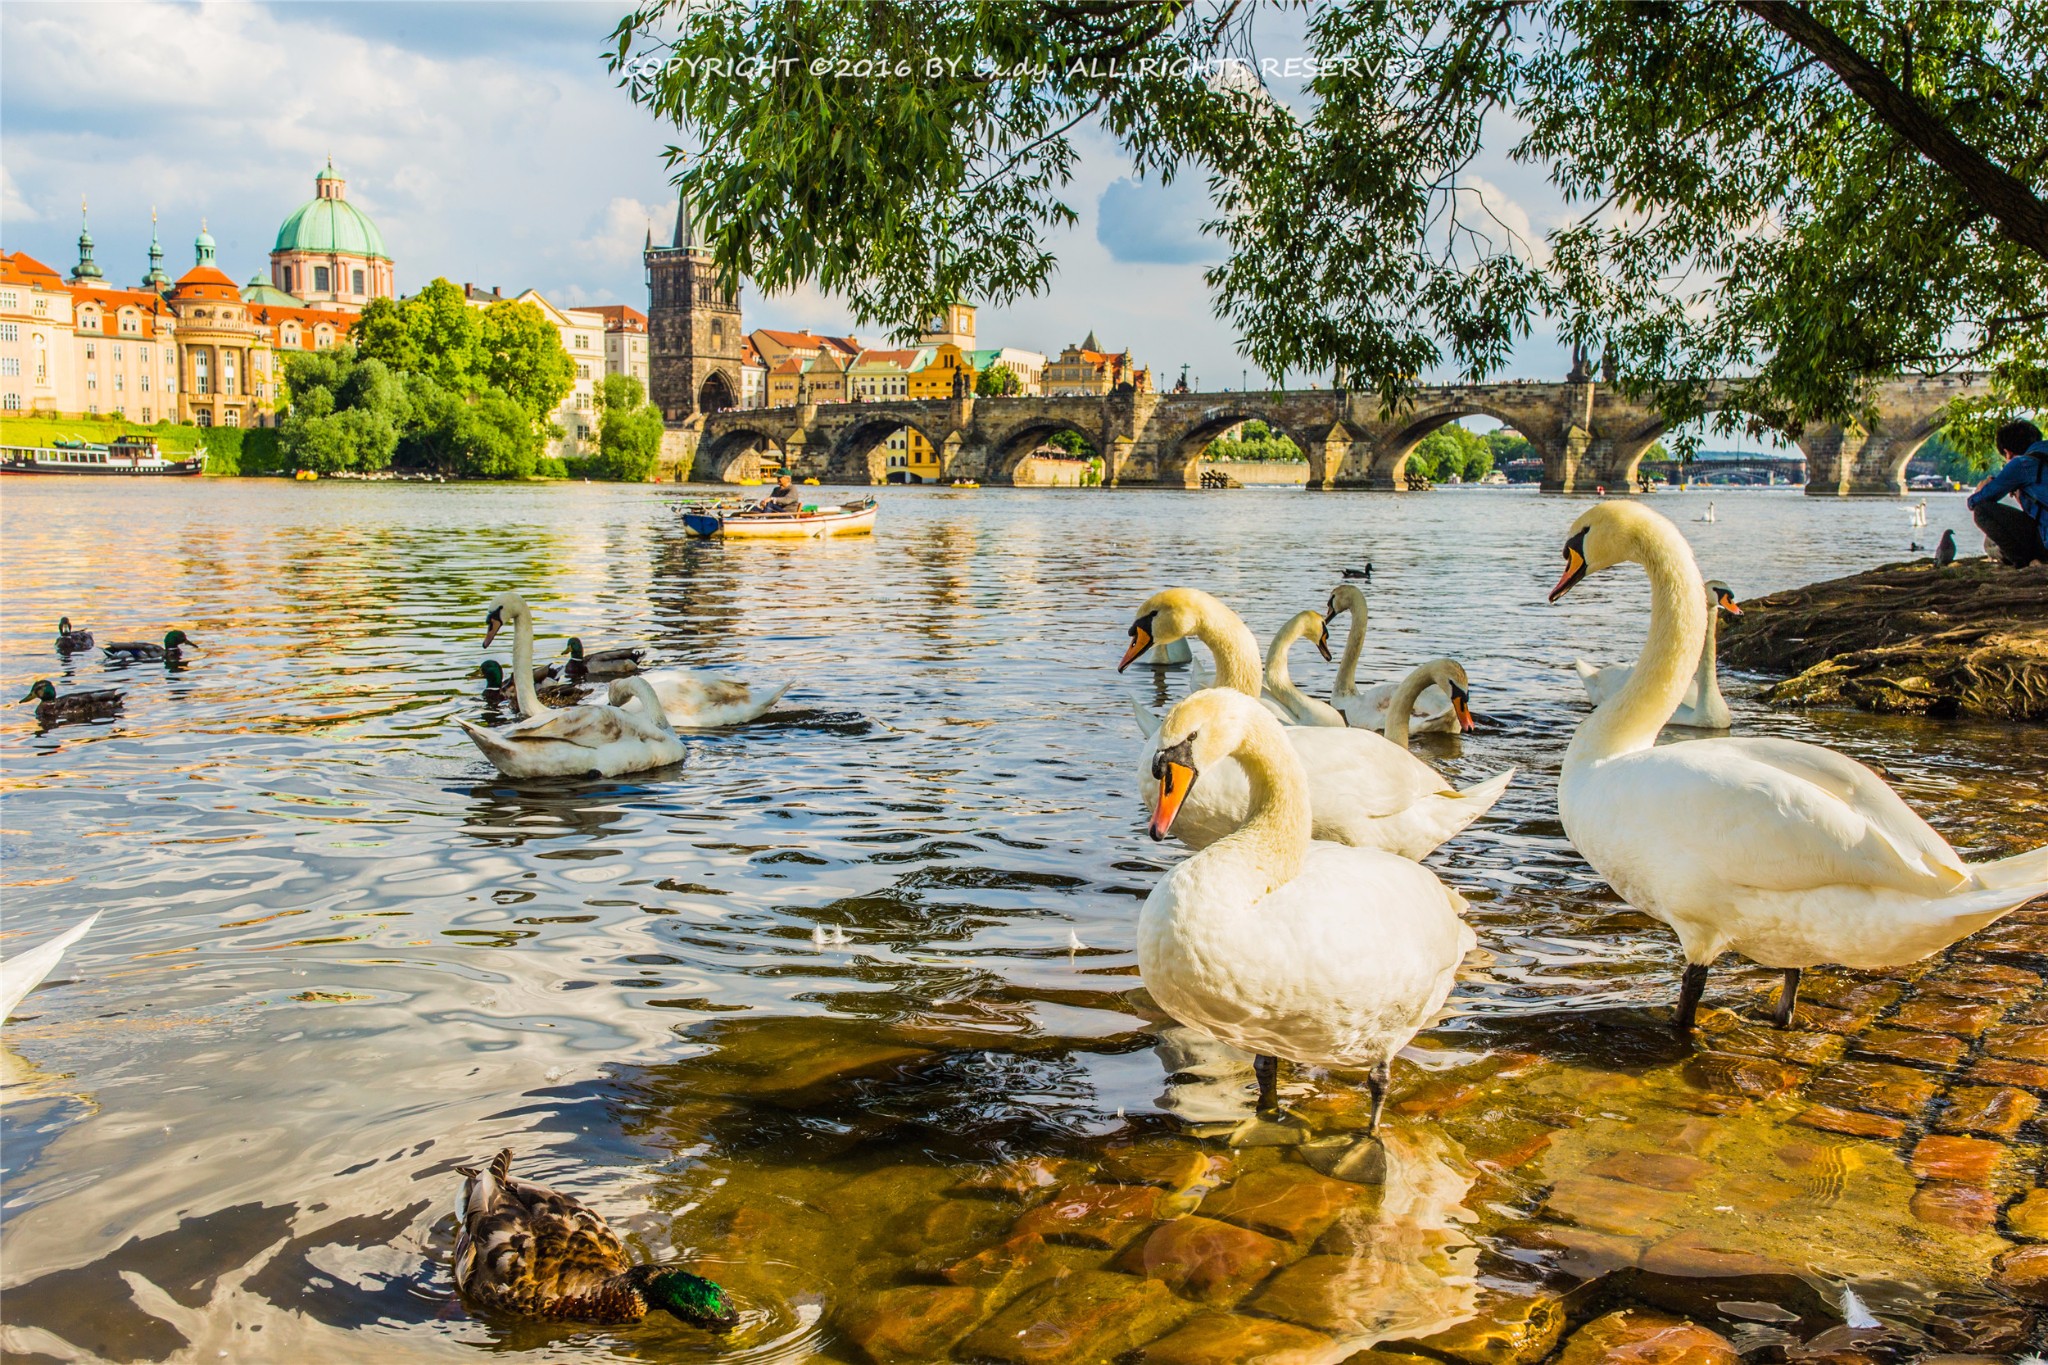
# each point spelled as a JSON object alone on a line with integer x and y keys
{"x": 948, "y": 374}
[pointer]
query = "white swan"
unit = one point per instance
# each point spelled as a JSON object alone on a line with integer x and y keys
{"x": 1445, "y": 675}
{"x": 1787, "y": 853}
{"x": 1709, "y": 516}
{"x": 1367, "y": 708}
{"x": 690, "y": 698}
{"x": 1290, "y": 949}
{"x": 1363, "y": 791}
{"x": 1301, "y": 708}
{"x": 693, "y": 699}
{"x": 577, "y": 741}
{"x": 21, "y": 973}
{"x": 1702, "y": 707}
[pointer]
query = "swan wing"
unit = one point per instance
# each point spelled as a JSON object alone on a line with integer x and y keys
{"x": 22, "y": 972}
{"x": 1768, "y": 815}
{"x": 585, "y": 726}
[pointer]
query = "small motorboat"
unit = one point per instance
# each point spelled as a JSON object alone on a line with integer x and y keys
{"x": 813, "y": 523}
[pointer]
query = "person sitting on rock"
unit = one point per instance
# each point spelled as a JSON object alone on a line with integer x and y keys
{"x": 2020, "y": 533}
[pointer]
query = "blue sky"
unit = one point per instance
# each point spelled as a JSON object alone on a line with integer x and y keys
{"x": 490, "y": 145}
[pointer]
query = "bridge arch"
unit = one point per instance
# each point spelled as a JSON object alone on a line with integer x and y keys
{"x": 1390, "y": 469}
{"x": 1005, "y": 453}
{"x": 1181, "y": 458}
{"x": 1622, "y": 469}
{"x": 735, "y": 453}
{"x": 859, "y": 450}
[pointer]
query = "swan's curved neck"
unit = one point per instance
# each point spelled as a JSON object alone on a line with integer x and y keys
{"x": 1273, "y": 842}
{"x": 522, "y": 665}
{"x": 1630, "y": 719}
{"x": 1278, "y": 680}
{"x": 1401, "y": 706}
{"x": 1235, "y": 647}
{"x": 1354, "y": 645}
{"x": 1709, "y": 691}
{"x": 635, "y": 686}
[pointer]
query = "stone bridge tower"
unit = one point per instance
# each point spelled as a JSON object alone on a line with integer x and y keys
{"x": 694, "y": 334}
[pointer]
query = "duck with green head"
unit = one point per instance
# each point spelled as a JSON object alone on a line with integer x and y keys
{"x": 51, "y": 708}
{"x": 528, "y": 1251}
{"x": 498, "y": 685}
{"x": 175, "y": 642}
{"x": 601, "y": 663}
{"x": 69, "y": 639}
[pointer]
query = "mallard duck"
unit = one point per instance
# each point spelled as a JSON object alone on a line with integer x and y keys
{"x": 174, "y": 642}
{"x": 69, "y": 639}
{"x": 601, "y": 663}
{"x": 535, "y": 1252}
{"x": 51, "y": 708}
{"x": 552, "y": 692}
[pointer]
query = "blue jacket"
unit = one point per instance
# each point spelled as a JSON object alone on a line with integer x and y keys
{"x": 2025, "y": 476}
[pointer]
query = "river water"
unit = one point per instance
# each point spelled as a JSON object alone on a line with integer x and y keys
{"x": 338, "y": 955}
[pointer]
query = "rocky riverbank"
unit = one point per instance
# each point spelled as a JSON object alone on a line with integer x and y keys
{"x": 1968, "y": 640}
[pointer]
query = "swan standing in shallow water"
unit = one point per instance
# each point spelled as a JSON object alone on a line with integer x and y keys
{"x": 1702, "y": 707}
{"x": 1367, "y": 709}
{"x": 1301, "y": 708}
{"x": 578, "y": 741}
{"x": 1291, "y": 949}
{"x": 1363, "y": 791}
{"x": 1787, "y": 853}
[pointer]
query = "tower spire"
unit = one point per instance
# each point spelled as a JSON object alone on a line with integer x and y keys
{"x": 86, "y": 269}
{"x": 156, "y": 278}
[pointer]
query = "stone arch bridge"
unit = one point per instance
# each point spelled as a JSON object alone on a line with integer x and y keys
{"x": 1589, "y": 435}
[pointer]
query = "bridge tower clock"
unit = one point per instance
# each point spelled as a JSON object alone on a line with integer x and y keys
{"x": 694, "y": 336}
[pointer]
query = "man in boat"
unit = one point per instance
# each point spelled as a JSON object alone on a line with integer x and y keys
{"x": 785, "y": 498}
{"x": 2020, "y": 533}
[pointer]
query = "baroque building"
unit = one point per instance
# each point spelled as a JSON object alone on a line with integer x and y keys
{"x": 328, "y": 252}
{"x": 694, "y": 339}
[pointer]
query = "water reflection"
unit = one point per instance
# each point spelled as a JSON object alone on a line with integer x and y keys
{"x": 340, "y": 955}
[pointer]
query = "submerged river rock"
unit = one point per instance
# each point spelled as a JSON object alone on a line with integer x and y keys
{"x": 1967, "y": 640}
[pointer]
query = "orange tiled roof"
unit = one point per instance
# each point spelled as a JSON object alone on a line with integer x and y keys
{"x": 797, "y": 341}
{"x": 620, "y": 317}
{"x": 902, "y": 359}
{"x": 204, "y": 282}
{"x": 748, "y": 355}
{"x": 272, "y": 318}
{"x": 112, "y": 300}
{"x": 793, "y": 364}
{"x": 19, "y": 267}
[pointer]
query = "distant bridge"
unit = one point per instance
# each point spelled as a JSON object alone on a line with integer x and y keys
{"x": 1588, "y": 434}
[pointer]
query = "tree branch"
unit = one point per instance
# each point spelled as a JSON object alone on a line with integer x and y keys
{"x": 2020, "y": 213}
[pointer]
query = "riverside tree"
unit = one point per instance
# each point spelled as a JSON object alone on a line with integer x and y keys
{"x": 998, "y": 381}
{"x": 628, "y": 432}
{"x": 1805, "y": 196}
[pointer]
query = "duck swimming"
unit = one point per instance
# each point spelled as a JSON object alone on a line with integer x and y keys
{"x": 1287, "y": 947}
{"x": 1784, "y": 852}
{"x": 529, "y": 1251}
{"x": 52, "y": 708}
{"x": 602, "y": 663}
{"x": 552, "y": 691}
{"x": 69, "y": 639}
{"x": 175, "y": 642}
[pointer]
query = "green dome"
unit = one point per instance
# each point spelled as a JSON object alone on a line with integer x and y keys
{"x": 330, "y": 224}
{"x": 261, "y": 290}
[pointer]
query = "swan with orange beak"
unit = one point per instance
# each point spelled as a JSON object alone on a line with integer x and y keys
{"x": 1287, "y": 947}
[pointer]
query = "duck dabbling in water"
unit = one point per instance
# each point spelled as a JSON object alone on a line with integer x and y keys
{"x": 530, "y": 1251}
{"x": 601, "y": 663}
{"x": 72, "y": 705}
{"x": 175, "y": 641}
{"x": 498, "y": 685}
{"x": 69, "y": 639}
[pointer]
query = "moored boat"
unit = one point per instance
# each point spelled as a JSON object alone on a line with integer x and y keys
{"x": 128, "y": 456}
{"x": 813, "y": 523}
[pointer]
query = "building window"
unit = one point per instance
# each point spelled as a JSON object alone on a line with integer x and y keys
{"x": 583, "y": 372}
{"x": 145, "y": 381}
{"x": 291, "y": 336}
{"x": 204, "y": 417}
{"x": 118, "y": 385}
{"x": 234, "y": 417}
{"x": 42, "y": 307}
{"x": 92, "y": 409}
{"x": 10, "y": 331}
{"x": 119, "y": 411}
{"x": 131, "y": 323}
{"x": 13, "y": 402}
{"x": 9, "y": 299}
{"x": 202, "y": 378}
{"x": 358, "y": 280}
{"x": 10, "y": 366}
{"x": 287, "y": 279}
{"x": 145, "y": 415}
{"x": 227, "y": 373}
{"x": 42, "y": 360}
{"x": 323, "y": 337}
{"x": 92, "y": 379}
{"x": 117, "y": 352}
{"x": 320, "y": 279}
{"x": 89, "y": 346}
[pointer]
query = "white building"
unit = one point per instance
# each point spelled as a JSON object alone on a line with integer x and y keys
{"x": 583, "y": 336}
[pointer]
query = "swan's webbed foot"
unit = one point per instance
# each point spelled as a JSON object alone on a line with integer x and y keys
{"x": 1378, "y": 1080}
{"x": 1788, "y": 999}
{"x": 1690, "y": 989}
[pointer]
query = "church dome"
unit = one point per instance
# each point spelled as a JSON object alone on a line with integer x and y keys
{"x": 328, "y": 223}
